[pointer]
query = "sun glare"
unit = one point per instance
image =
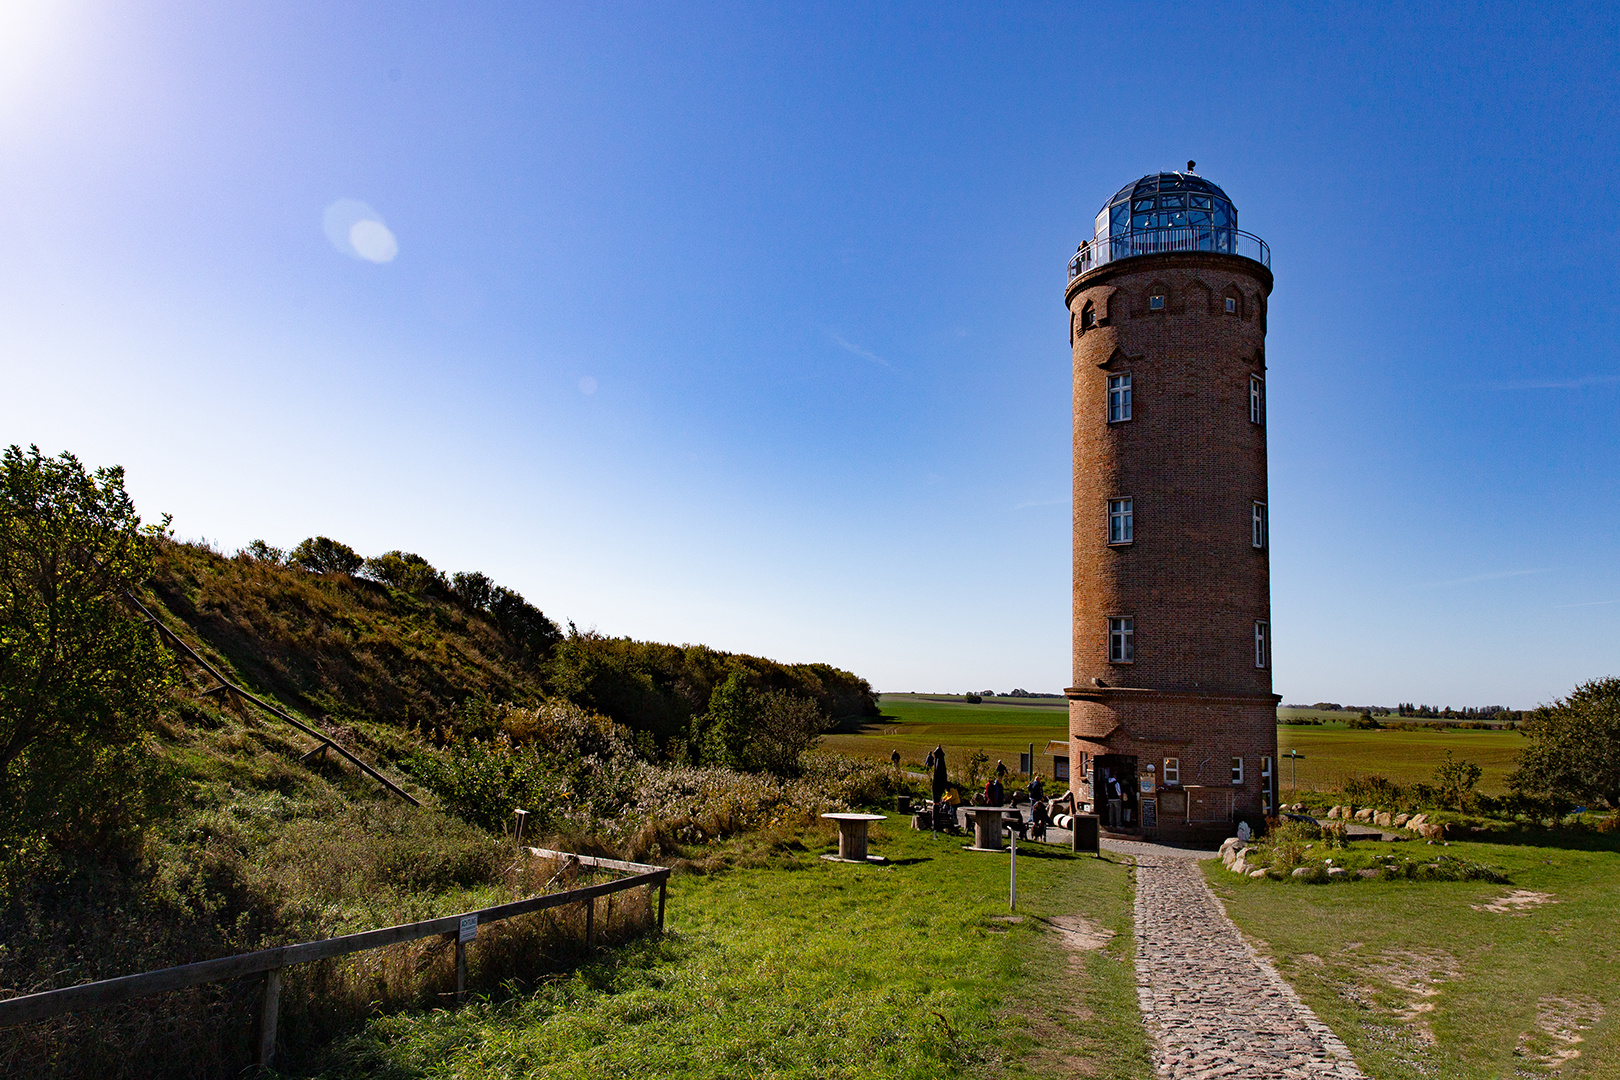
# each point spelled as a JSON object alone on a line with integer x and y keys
{"x": 358, "y": 231}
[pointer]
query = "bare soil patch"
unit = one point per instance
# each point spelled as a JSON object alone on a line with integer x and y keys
{"x": 1561, "y": 1023}
{"x": 1517, "y": 902}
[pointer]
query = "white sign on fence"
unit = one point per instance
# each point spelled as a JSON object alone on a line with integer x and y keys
{"x": 469, "y": 929}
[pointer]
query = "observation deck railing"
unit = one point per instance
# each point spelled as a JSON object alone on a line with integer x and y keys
{"x": 1107, "y": 249}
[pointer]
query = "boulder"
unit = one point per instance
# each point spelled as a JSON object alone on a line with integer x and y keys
{"x": 1431, "y": 832}
{"x": 1240, "y": 865}
{"x": 1230, "y": 849}
{"x": 1365, "y": 814}
{"x": 1384, "y": 819}
{"x": 1370, "y": 872}
{"x": 1303, "y": 871}
{"x": 1337, "y": 873}
{"x": 1401, "y": 820}
{"x": 1333, "y": 812}
{"x": 1417, "y": 821}
{"x": 1258, "y": 873}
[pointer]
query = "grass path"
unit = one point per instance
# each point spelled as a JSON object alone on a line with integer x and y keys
{"x": 796, "y": 967}
{"x": 1456, "y": 979}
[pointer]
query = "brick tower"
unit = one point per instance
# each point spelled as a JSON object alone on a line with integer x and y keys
{"x": 1172, "y": 692}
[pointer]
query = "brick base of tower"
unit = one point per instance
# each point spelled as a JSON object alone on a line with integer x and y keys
{"x": 1132, "y": 733}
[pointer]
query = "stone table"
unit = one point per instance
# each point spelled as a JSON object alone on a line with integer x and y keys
{"x": 987, "y": 827}
{"x": 852, "y": 838}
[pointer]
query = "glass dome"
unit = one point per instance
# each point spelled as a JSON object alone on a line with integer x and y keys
{"x": 1167, "y": 200}
{"x": 1162, "y": 213}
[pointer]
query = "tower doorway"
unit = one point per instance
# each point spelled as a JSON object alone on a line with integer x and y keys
{"x": 1116, "y": 791}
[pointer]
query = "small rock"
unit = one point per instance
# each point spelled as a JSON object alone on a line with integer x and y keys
{"x": 1258, "y": 873}
{"x": 1337, "y": 872}
{"x": 1401, "y": 820}
{"x": 1384, "y": 819}
{"x": 1303, "y": 871}
{"x": 1334, "y": 813}
{"x": 1364, "y": 814}
{"x": 1430, "y": 832}
{"x": 1240, "y": 865}
{"x": 1417, "y": 821}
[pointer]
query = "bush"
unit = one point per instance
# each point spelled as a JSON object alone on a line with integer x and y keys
{"x": 1374, "y": 791}
{"x": 1454, "y": 780}
{"x": 322, "y": 555}
{"x": 406, "y": 571}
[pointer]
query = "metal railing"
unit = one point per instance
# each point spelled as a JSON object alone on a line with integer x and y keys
{"x": 1107, "y": 249}
{"x": 268, "y": 963}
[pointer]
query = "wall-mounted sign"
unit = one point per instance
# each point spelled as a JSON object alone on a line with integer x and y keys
{"x": 469, "y": 929}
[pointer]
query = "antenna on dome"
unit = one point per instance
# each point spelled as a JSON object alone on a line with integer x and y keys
{"x": 1191, "y": 165}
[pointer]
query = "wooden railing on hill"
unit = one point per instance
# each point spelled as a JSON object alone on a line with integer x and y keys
{"x": 225, "y": 684}
{"x": 269, "y": 962}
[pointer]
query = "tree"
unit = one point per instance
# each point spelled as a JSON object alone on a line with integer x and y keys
{"x": 81, "y": 678}
{"x": 723, "y": 734}
{"x": 323, "y": 555}
{"x": 1574, "y": 751}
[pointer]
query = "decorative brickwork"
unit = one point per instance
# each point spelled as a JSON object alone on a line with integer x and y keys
{"x": 1192, "y": 460}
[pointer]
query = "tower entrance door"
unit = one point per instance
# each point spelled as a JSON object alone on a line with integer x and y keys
{"x": 1115, "y": 787}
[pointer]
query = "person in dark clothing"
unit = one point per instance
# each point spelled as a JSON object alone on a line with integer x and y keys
{"x": 936, "y": 762}
{"x": 994, "y": 793}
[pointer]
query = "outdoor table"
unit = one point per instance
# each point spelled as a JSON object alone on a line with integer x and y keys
{"x": 852, "y": 838}
{"x": 986, "y": 827}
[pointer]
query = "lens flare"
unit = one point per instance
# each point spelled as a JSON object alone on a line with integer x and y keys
{"x": 358, "y": 231}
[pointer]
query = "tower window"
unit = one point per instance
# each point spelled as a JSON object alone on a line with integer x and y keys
{"x": 1088, "y": 316}
{"x": 1156, "y": 302}
{"x": 1257, "y": 400}
{"x": 1120, "y": 529}
{"x": 1237, "y": 772}
{"x": 1231, "y": 305}
{"x": 1262, "y": 644}
{"x": 1119, "y": 398}
{"x": 1259, "y": 523}
{"x": 1121, "y": 640}
{"x": 1172, "y": 771}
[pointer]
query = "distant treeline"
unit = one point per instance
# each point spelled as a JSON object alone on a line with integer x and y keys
{"x": 1498, "y": 714}
{"x": 393, "y": 638}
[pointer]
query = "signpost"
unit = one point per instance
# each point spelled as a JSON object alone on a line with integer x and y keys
{"x": 1294, "y": 756}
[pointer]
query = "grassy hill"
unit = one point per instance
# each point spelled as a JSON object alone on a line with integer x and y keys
{"x": 245, "y": 845}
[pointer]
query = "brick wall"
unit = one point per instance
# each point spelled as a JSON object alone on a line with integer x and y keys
{"x": 1193, "y": 463}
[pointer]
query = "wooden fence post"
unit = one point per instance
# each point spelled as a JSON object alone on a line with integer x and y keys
{"x": 590, "y": 921}
{"x": 267, "y": 1017}
{"x": 461, "y": 972}
{"x": 661, "y": 887}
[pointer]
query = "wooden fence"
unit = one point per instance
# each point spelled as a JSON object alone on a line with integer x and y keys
{"x": 269, "y": 962}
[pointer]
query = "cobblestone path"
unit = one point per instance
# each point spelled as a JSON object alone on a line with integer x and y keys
{"x": 1212, "y": 1005}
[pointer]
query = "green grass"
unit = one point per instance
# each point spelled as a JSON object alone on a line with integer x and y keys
{"x": 1330, "y": 755}
{"x": 796, "y": 967}
{"x": 1420, "y": 982}
{"x": 915, "y": 723}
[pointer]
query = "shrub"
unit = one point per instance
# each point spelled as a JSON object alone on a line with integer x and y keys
{"x": 1373, "y": 791}
{"x": 322, "y": 555}
{"x": 406, "y": 571}
{"x": 1454, "y": 780}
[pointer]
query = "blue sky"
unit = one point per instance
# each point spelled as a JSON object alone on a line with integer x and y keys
{"x": 745, "y": 325}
